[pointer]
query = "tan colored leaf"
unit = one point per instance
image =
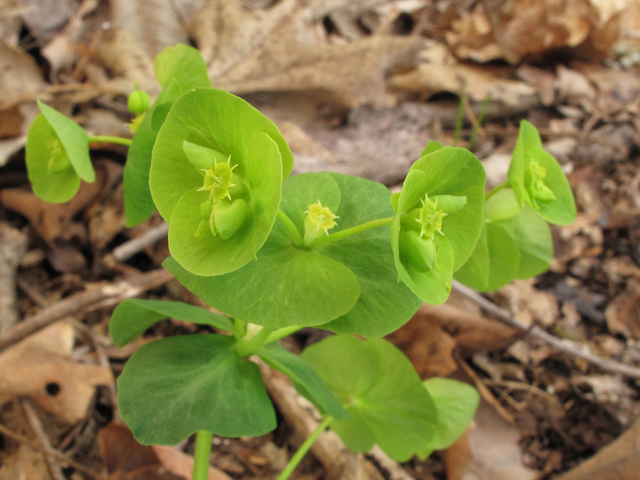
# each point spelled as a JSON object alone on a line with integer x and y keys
{"x": 41, "y": 367}
{"x": 19, "y": 73}
{"x": 618, "y": 461}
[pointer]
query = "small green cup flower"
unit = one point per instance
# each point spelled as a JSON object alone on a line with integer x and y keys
{"x": 216, "y": 177}
{"x": 439, "y": 216}
{"x": 538, "y": 181}
{"x": 318, "y": 221}
{"x": 57, "y": 156}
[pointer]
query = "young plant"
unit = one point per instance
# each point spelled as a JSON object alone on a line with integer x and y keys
{"x": 278, "y": 253}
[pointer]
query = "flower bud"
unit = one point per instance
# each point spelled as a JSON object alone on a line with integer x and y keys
{"x": 318, "y": 222}
{"x": 228, "y": 217}
{"x": 138, "y": 102}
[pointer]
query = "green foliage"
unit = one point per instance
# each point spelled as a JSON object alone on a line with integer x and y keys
{"x": 132, "y": 317}
{"x": 382, "y": 393}
{"x": 456, "y": 404}
{"x": 438, "y": 221}
{"x": 178, "y": 70}
{"x": 303, "y": 377}
{"x": 173, "y": 387}
{"x": 189, "y": 196}
{"x": 57, "y": 156}
{"x": 538, "y": 180}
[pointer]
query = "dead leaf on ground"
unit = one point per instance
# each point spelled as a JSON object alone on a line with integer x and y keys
{"x": 490, "y": 451}
{"x": 623, "y": 313}
{"x": 440, "y": 72}
{"x": 428, "y": 347}
{"x": 126, "y": 459}
{"x": 41, "y": 366}
{"x": 528, "y": 303}
{"x": 181, "y": 464}
{"x": 51, "y": 220}
{"x": 24, "y": 463}
{"x": 19, "y": 73}
{"x": 617, "y": 461}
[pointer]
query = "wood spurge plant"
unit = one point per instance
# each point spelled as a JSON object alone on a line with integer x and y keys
{"x": 277, "y": 253}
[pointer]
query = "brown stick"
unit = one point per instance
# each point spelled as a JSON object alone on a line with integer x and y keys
{"x": 86, "y": 301}
{"x": 565, "y": 346}
{"x": 130, "y": 248}
{"x": 13, "y": 245}
{"x": 52, "y": 465}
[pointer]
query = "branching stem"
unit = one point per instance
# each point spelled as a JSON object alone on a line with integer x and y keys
{"x": 350, "y": 231}
{"x": 106, "y": 138}
{"x": 304, "y": 448}
{"x": 281, "y": 333}
{"x": 254, "y": 343}
{"x": 297, "y": 239}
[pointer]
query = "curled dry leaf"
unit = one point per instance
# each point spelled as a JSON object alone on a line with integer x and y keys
{"x": 623, "y": 313}
{"x": 488, "y": 451}
{"x": 441, "y": 72}
{"x": 41, "y": 367}
{"x": 618, "y": 461}
{"x": 527, "y": 303}
{"x": 19, "y": 73}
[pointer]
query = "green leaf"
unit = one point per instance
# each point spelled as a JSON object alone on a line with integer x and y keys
{"x": 533, "y": 238}
{"x": 455, "y": 171}
{"x": 384, "y": 304}
{"x": 557, "y": 205}
{"x": 287, "y": 285}
{"x": 494, "y": 262}
{"x": 501, "y": 205}
{"x": 178, "y": 69}
{"x": 184, "y": 64}
{"x": 382, "y": 393}
{"x": 210, "y": 118}
{"x": 54, "y": 188}
{"x": 202, "y": 253}
{"x": 302, "y": 376}
{"x": 528, "y": 139}
{"x": 456, "y": 404}
{"x": 173, "y": 387}
{"x": 74, "y": 140}
{"x": 132, "y": 317}
{"x": 431, "y": 147}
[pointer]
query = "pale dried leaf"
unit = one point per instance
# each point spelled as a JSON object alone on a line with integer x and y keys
{"x": 153, "y": 23}
{"x": 527, "y": 303}
{"x": 41, "y": 367}
{"x": 19, "y": 73}
{"x": 24, "y": 463}
{"x": 618, "y": 461}
{"x": 440, "y": 72}
{"x": 179, "y": 463}
{"x": 47, "y": 18}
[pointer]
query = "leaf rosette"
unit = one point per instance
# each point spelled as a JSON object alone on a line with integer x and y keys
{"x": 439, "y": 216}
{"x": 538, "y": 181}
{"x": 216, "y": 177}
{"x": 57, "y": 156}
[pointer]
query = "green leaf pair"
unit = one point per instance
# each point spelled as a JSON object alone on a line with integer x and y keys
{"x": 347, "y": 286}
{"x": 178, "y": 69}
{"x": 216, "y": 177}
{"x": 173, "y": 387}
{"x": 386, "y": 402}
{"x": 57, "y": 156}
{"x": 515, "y": 242}
{"x": 439, "y": 216}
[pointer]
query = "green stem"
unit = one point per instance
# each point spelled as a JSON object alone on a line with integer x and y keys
{"x": 106, "y": 138}
{"x": 477, "y": 126}
{"x": 281, "y": 333}
{"x": 460, "y": 117}
{"x": 304, "y": 448}
{"x": 350, "y": 231}
{"x": 254, "y": 343}
{"x": 496, "y": 190}
{"x": 202, "y": 455}
{"x": 241, "y": 329}
{"x": 297, "y": 239}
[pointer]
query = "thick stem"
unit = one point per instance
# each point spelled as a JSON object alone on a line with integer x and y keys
{"x": 297, "y": 239}
{"x": 106, "y": 138}
{"x": 281, "y": 333}
{"x": 254, "y": 343}
{"x": 202, "y": 455}
{"x": 304, "y": 448}
{"x": 350, "y": 231}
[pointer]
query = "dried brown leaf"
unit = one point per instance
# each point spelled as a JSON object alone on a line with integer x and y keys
{"x": 618, "y": 461}
{"x": 41, "y": 367}
{"x": 19, "y": 73}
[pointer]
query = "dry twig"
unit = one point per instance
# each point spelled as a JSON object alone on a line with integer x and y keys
{"x": 52, "y": 465}
{"x": 130, "y": 248}
{"x": 85, "y": 301}
{"x": 565, "y": 346}
{"x": 13, "y": 245}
